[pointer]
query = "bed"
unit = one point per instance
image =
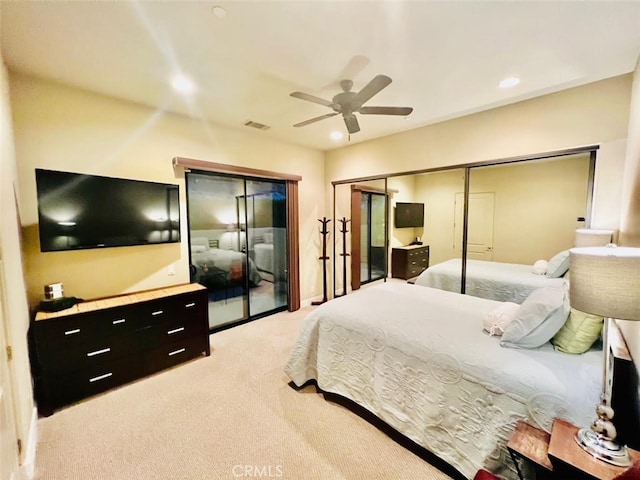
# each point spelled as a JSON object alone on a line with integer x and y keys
{"x": 216, "y": 268}
{"x": 504, "y": 282}
{"x": 418, "y": 359}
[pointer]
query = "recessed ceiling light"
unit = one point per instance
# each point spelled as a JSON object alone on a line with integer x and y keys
{"x": 183, "y": 84}
{"x": 509, "y": 82}
{"x": 219, "y": 11}
{"x": 336, "y": 135}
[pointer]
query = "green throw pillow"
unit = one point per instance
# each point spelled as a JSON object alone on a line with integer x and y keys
{"x": 580, "y": 331}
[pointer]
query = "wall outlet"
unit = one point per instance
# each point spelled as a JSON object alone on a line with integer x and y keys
{"x": 171, "y": 270}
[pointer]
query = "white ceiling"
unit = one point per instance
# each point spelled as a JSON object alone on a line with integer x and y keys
{"x": 445, "y": 58}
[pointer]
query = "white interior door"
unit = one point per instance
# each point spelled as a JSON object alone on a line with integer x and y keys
{"x": 8, "y": 433}
{"x": 480, "y": 227}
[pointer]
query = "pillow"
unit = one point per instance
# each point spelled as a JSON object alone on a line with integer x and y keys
{"x": 198, "y": 248}
{"x": 200, "y": 241}
{"x": 540, "y": 267}
{"x": 558, "y": 265}
{"x": 538, "y": 319}
{"x": 579, "y": 333}
{"x": 497, "y": 319}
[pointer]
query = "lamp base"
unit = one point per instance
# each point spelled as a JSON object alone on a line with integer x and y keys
{"x": 606, "y": 450}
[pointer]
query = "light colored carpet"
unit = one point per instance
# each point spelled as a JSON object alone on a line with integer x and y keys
{"x": 230, "y": 415}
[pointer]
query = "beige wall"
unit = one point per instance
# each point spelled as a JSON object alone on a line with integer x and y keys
{"x": 13, "y": 300}
{"x": 62, "y": 128}
{"x": 536, "y": 206}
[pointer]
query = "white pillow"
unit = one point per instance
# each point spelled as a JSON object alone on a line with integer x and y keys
{"x": 198, "y": 248}
{"x": 558, "y": 265}
{"x": 200, "y": 242}
{"x": 538, "y": 319}
{"x": 540, "y": 267}
{"x": 497, "y": 320}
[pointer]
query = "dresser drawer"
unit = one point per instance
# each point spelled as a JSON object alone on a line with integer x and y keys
{"x": 172, "y": 330}
{"x": 418, "y": 254}
{"x": 174, "y": 353}
{"x": 99, "y": 351}
{"x": 69, "y": 331}
{"x": 63, "y": 389}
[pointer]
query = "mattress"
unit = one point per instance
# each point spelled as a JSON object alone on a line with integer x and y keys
{"x": 418, "y": 359}
{"x": 504, "y": 282}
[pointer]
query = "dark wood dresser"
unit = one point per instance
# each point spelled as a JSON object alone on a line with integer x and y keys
{"x": 409, "y": 261}
{"x": 100, "y": 344}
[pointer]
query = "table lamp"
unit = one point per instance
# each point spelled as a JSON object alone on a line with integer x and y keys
{"x": 605, "y": 281}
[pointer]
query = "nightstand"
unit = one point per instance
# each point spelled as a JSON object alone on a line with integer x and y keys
{"x": 530, "y": 444}
{"x": 570, "y": 461}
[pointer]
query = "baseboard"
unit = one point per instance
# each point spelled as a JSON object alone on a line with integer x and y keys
{"x": 28, "y": 462}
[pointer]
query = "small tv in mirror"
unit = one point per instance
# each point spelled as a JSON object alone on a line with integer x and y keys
{"x": 409, "y": 215}
{"x": 79, "y": 211}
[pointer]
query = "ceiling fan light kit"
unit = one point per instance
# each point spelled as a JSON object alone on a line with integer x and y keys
{"x": 348, "y": 103}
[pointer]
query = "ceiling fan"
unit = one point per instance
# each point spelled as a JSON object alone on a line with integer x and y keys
{"x": 349, "y": 103}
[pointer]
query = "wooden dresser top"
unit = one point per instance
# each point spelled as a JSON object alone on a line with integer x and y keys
{"x": 120, "y": 300}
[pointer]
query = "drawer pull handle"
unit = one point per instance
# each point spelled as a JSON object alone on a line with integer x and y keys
{"x": 189, "y": 305}
{"x": 100, "y": 377}
{"x": 71, "y": 332}
{"x": 98, "y": 352}
{"x": 116, "y": 322}
{"x": 175, "y": 352}
{"x": 175, "y": 330}
{"x": 158, "y": 312}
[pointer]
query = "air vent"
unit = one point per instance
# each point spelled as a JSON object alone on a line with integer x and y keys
{"x": 259, "y": 126}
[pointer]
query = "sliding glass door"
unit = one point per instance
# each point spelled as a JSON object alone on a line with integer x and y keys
{"x": 267, "y": 239}
{"x": 372, "y": 237}
{"x": 237, "y": 245}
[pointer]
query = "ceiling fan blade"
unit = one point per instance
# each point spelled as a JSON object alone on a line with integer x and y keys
{"x": 352, "y": 123}
{"x": 385, "y": 110}
{"x": 373, "y": 87}
{"x": 311, "y": 98}
{"x": 354, "y": 67}
{"x": 315, "y": 119}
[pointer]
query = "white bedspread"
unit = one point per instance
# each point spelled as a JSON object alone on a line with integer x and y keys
{"x": 505, "y": 282}
{"x": 417, "y": 358}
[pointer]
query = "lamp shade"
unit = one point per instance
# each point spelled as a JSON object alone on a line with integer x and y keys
{"x": 606, "y": 281}
{"x": 590, "y": 237}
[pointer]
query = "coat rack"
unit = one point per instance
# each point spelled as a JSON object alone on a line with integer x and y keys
{"x": 344, "y": 230}
{"x": 324, "y": 231}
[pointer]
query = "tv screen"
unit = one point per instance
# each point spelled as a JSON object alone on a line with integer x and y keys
{"x": 78, "y": 211}
{"x": 409, "y": 215}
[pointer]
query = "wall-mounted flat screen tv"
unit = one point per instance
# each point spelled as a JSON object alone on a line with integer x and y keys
{"x": 79, "y": 211}
{"x": 409, "y": 215}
